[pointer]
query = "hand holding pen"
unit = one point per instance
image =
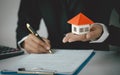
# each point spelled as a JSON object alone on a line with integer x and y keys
{"x": 35, "y": 44}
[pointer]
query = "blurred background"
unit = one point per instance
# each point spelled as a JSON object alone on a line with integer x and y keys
{"x": 8, "y": 23}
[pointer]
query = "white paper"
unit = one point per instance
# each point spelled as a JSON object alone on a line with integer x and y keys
{"x": 62, "y": 61}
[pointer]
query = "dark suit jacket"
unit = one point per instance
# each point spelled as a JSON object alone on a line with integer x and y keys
{"x": 56, "y": 13}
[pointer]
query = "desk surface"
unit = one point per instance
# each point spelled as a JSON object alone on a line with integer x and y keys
{"x": 103, "y": 63}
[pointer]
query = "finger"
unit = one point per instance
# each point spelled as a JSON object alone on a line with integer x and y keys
{"x": 81, "y": 37}
{"x": 37, "y": 51}
{"x": 30, "y": 49}
{"x": 66, "y": 38}
{"x": 38, "y": 41}
{"x": 70, "y": 37}
{"x": 47, "y": 42}
{"x": 33, "y": 47}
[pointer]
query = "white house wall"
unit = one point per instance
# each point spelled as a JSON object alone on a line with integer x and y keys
{"x": 79, "y": 27}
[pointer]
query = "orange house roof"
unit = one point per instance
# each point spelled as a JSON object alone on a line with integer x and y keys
{"x": 80, "y": 19}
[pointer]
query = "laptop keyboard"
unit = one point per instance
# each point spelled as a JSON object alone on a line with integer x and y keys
{"x": 6, "y": 52}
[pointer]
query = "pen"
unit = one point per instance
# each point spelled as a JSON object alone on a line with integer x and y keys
{"x": 35, "y": 33}
{"x": 35, "y": 72}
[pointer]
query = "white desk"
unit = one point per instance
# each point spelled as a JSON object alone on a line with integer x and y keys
{"x": 103, "y": 63}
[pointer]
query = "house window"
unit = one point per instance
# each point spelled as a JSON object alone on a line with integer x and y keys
{"x": 75, "y": 29}
{"x": 86, "y": 29}
{"x": 81, "y": 30}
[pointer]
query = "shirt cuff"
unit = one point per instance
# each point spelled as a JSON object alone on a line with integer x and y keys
{"x": 21, "y": 41}
{"x": 103, "y": 36}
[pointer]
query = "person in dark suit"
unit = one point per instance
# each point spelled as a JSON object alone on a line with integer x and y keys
{"x": 56, "y": 13}
{"x": 114, "y": 38}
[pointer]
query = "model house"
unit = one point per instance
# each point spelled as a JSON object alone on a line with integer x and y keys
{"x": 80, "y": 24}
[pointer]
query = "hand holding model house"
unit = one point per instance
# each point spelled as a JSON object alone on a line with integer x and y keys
{"x": 83, "y": 29}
